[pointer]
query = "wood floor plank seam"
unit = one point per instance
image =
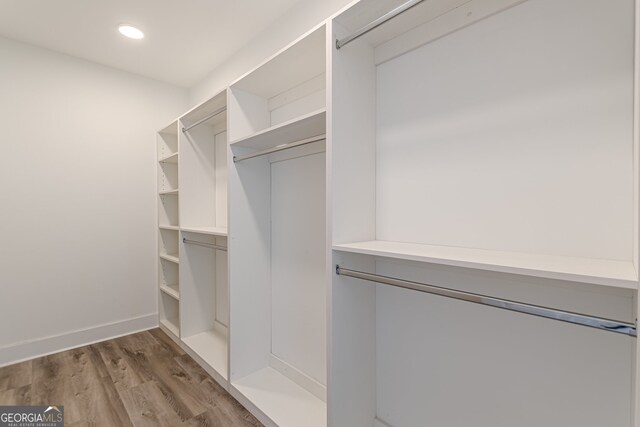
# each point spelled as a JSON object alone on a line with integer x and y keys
{"x": 143, "y": 379}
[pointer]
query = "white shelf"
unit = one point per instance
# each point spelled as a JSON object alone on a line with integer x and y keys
{"x": 171, "y": 158}
{"x": 306, "y": 126}
{"x": 171, "y": 325}
{"x": 171, "y": 290}
{"x": 620, "y": 274}
{"x": 211, "y": 346}
{"x": 169, "y": 227}
{"x": 171, "y": 257}
{"x": 283, "y": 401}
{"x": 169, "y": 192}
{"x": 212, "y": 231}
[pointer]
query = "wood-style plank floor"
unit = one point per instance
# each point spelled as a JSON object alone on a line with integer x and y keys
{"x": 143, "y": 379}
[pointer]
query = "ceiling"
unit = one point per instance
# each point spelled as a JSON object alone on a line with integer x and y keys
{"x": 184, "y": 39}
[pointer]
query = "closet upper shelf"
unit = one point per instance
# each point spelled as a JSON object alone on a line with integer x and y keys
{"x": 217, "y": 104}
{"x": 619, "y": 274}
{"x": 212, "y": 231}
{"x": 308, "y": 125}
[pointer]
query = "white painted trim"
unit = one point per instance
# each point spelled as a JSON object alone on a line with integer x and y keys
{"x": 27, "y": 350}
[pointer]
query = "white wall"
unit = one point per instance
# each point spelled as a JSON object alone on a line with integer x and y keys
{"x": 78, "y": 210}
{"x": 298, "y": 20}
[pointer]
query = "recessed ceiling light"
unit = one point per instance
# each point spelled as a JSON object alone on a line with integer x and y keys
{"x": 131, "y": 32}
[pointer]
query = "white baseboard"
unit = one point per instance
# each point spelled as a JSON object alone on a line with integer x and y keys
{"x": 26, "y": 350}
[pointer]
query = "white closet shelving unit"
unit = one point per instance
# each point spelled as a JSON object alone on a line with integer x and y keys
{"x": 277, "y": 117}
{"x": 486, "y": 146}
{"x": 168, "y": 230}
{"x": 203, "y": 213}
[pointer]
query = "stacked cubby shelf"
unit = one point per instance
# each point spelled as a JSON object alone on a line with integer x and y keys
{"x": 168, "y": 230}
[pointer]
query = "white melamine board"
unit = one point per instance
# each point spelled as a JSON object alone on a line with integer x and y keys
{"x": 298, "y": 263}
{"x": 205, "y": 109}
{"x": 514, "y": 134}
{"x": 306, "y": 126}
{"x": 312, "y": 103}
{"x": 168, "y": 273}
{"x": 221, "y": 179}
{"x": 249, "y": 266}
{"x": 198, "y": 176}
{"x": 296, "y": 64}
{"x": 171, "y": 257}
{"x": 172, "y": 158}
{"x": 168, "y": 192}
{"x": 168, "y": 210}
{"x": 309, "y": 96}
{"x": 211, "y": 346}
{"x": 352, "y": 124}
{"x": 168, "y": 242}
{"x": 467, "y": 14}
{"x": 169, "y": 227}
{"x": 169, "y": 313}
{"x": 221, "y": 288}
{"x": 283, "y": 401}
{"x": 170, "y": 130}
{"x": 214, "y": 231}
{"x": 171, "y": 290}
{"x": 171, "y": 325}
{"x": 620, "y": 274}
{"x": 248, "y": 114}
{"x": 437, "y": 359}
{"x": 365, "y": 12}
{"x": 167, "y": 141}
{"x": 167, "y": 176}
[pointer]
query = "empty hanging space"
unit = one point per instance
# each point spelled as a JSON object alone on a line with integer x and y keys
{"x": 486, "y": 147}
{"x": 205, "y": 299}
{"x": 497, "y": 135}
{"x": 278, "y": 247}
{"x": 407, "y": 358}
{"x": 203, "y": 172}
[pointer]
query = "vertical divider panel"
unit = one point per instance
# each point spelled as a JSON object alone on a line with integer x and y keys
{"x": 352, "y": 376}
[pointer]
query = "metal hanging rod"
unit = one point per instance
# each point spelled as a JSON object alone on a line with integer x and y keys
{"x": 313, "y": 139}
{"x": 534, "y": 310}
{"x": 374, "y": 24}
{"x": 215, "y": 113}
{"x": 206, "y": 245}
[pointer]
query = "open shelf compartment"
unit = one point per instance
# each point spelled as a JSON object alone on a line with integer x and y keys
{"x": 290, "y": 85}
